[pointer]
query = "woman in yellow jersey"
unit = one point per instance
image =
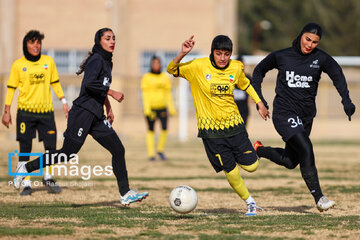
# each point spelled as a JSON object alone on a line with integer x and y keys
{"x": 33, "y": 74}
{"x": 157, "y": 100}
{"x": 220, "y": 125}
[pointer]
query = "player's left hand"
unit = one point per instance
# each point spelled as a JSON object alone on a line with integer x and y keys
{"x": 118, "y": 96}
{"x": 349, "y": 110}
{"x": 110, "y": 116}
{"x": 263, "y": 111}
{"x": 66, "y": 110}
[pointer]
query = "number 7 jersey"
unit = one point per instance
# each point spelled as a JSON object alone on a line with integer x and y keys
{"x": 212, "y": 90}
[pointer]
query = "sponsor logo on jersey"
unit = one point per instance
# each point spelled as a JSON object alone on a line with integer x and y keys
{"x": 106, "y": 82}
{"x": 51, "y": 132}
{"x": 37, "y": 78}
{"x": 315, "y": 64}
{"x": 208, "y": 76}
{"x": 46, "y": 66}
{"x": 297, "y": 81}
{"x": 231, "y": 78}
{"x": 24, "y": 69}
{"x": 219, "y": 89}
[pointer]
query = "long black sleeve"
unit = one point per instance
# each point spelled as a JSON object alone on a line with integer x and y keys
{"x": 332, "y": 68}
{"x": 93, "y": 85}
{"x": 259, "y": 73}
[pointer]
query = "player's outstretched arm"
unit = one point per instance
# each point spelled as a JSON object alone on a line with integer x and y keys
{"x": 263, "y": 111}
{"x": 186, "y": 47}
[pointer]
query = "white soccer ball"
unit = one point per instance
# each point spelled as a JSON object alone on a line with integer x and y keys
{"x": 183, "y": 199}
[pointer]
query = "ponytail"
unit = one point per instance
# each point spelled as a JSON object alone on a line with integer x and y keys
{"x": 83, "y": 64}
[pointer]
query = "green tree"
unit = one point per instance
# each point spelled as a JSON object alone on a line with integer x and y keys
{"x": 340, "y": 21}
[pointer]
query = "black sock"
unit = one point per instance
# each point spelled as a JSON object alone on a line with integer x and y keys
{"x": 113, "y": 144}
{"x": 276, "y": 155}
{"x": 311, "y": 179}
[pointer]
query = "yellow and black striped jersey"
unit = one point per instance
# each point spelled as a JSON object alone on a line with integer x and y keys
{"x": 33, "y": 79}
{"x": 156, "y": 89}
{"x": 212, "y": 91}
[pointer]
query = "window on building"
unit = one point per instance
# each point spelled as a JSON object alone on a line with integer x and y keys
{"x": 165, "y": 56}
{"x": 67, "y": 61}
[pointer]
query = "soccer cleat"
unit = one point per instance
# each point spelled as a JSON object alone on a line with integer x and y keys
{"x": 152, "y": 159}
{"x": 162, "y": 156}
{"x": 132, "y": 196}
{"x": 26, "y": 191}
{"x": 51, "y": 186}
{"x": 257, "y": 144}
{"x": 324, "y": 204}
{"x": 252, "y": 209}
{"x": 19, "y": 178}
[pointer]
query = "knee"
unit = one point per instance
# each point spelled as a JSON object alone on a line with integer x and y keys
{"x": 250, "y": 168}
{"x": 288, "y": 163}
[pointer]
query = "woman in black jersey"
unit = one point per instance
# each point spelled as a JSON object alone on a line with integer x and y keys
{"x": 87, "y": 117}
{"x": 299, "y": 70}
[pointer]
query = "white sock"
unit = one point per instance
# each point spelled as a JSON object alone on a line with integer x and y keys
{"x": 250, "y": 200}
{"x": 27, "y": 183}
{"x": 47, "y": 176}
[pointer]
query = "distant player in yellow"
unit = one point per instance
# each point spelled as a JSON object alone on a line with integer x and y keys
{"x": 220, "y": 125}
{"x": 33, "y": 74}
{"x": 157, "y": 101}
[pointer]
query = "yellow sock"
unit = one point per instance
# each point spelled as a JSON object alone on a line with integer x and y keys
{"x": 162, "y": 141}
{"x": 150, "y": 143}
{"x": 237, "y": 183}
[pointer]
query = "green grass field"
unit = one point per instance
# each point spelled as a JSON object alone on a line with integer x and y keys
{"x": 91, "y": 209}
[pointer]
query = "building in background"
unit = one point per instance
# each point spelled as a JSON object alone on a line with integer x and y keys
{"x": 142, "y": 28}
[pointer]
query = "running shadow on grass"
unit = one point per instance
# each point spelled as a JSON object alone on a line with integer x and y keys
{"x": 219, "y": 211}
{"x": 298, "y": 209}
{"x": 115, "y": 204}
{"x": 46, "y": 189}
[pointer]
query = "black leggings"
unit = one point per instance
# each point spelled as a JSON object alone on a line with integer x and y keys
{"x": 26, "y": 146}
{"x": 298, "y": 150}
{"x": 111, "y": 142}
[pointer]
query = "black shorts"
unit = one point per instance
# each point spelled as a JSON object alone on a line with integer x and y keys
{"x": 225, "y": 153}
{"x": 158, "y": 113}
{"x": 81, "y": 122}
{"x": 288, "y": 125}
{"x": 27, "y": 123}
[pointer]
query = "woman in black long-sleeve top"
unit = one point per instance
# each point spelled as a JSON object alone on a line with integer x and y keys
{"x": 87, "y": 117}
{"x": 299, "y": 71}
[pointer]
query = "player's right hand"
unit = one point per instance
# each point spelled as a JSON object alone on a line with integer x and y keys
{"x": 263, "y": 111}
{"x": 6, "y": 119}
{"x": 188, "y": 45}
{"x": 349, "y": 110}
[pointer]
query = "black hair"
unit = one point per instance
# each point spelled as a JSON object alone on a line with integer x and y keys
{"x": 222, "y": 42}
{"x": 96, "y": 48}
{"x": 152, "y": 59}
{"x": 32, "y": 35}
{"x": 312, "y": 28}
